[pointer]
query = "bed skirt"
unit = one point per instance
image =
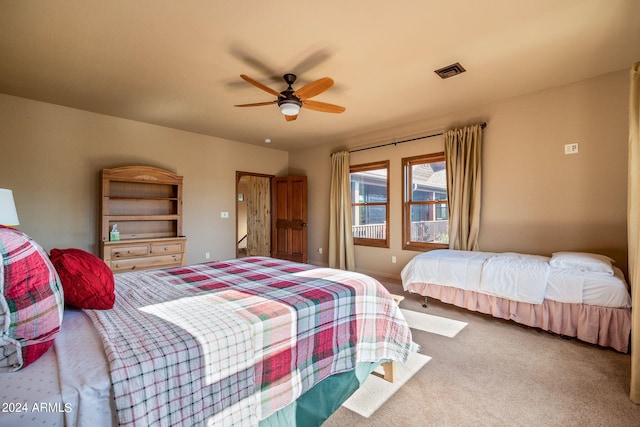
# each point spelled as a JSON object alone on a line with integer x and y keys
{"x": 604, "y": 326}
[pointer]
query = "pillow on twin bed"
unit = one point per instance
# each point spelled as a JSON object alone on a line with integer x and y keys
{"x": 593, "y": 263}
{"x": 87, "y": 281}
{"x": 31, "y": 301}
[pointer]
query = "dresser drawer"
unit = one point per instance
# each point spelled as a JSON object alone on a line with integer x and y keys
{"x": 121, "y": 265}
{"x": 166, "y": 248}
{"x": 130, "y": 251}
{"x": 144, "y": 254}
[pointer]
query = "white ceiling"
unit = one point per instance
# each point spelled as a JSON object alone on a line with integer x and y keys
{"x": 178, "y": 63}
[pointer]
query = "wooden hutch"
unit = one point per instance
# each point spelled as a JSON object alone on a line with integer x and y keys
{"x": 146, "y": 205}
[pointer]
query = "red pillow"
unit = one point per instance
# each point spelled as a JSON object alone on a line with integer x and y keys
{"x": 86, "y": 280}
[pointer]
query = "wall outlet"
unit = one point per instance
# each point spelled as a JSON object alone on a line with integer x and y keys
{"x": 393, "y": 260}
{"x": 319, "y": 250}
{"x": 571, "y": 148}
{"x": 224, "y": 214}
{"x": 207, "y": 255}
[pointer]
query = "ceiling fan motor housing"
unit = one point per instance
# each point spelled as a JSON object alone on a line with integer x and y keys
{"x": 289, "y": 78}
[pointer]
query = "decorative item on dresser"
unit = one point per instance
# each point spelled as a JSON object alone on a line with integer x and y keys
{"x": 144, "y": 205}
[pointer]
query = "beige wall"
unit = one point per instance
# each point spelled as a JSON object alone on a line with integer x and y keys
{"x": 51, "y": 156}
{"x": 535, "y": 198}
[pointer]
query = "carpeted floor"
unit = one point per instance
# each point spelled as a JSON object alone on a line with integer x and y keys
{"x": 498, "y": 373}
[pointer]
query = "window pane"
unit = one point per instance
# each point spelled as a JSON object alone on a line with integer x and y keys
{"x": 429, "y": 223}
{"x": 442, "y": 211}
{"x": 428, "y": 181}
{"x": 369, "y": 186}
{"x": 369, "y": 222}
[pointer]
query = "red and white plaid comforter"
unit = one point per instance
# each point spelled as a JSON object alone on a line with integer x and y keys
{"x": 230, "y": 343}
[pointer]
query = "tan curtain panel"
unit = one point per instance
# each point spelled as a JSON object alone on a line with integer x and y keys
{"x": 633, "y": 227}
{"x": 462, "y": 150}
{"x": 341, "y": 251}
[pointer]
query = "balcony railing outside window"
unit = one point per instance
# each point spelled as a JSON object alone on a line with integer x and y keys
{"x": 370, "y": 231}
{"x": 430, "y": 231}
{"x": 421, "y": 231}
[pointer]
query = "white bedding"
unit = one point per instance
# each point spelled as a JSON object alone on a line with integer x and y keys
{"x": 465, "y": 269}
{"x": 516, "y": 277}
{"x": 460, "y": 269}
{"x": 68, "y": 386}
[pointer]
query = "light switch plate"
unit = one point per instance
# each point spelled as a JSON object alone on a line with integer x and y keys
{"x": 571, "y": 148}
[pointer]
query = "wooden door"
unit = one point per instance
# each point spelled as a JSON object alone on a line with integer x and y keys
{"x": 289, "y": 218}
{"x": 253, "y": 214}
{"x": 258, "y": 216}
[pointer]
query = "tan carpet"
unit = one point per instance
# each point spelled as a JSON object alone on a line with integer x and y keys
{"x": 498, "y": 373}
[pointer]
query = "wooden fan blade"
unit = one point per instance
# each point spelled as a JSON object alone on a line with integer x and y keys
{"x": 322, "y": 106}
{"x": 314, "y": 88}
{"x": 256, "y": 104}
{"x": 260, "y": 86}
{"x": 290, "y": 118}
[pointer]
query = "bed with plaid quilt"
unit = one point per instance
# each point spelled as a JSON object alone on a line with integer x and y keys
{"x": 230, "y": 343}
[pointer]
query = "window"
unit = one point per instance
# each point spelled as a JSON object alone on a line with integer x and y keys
{"x": 425, "y": 216}
{"x": 370, "y": 204}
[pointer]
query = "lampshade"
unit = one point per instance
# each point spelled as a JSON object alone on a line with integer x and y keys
{"x": 8, "y": 214}
{"x": 289, "y": 108}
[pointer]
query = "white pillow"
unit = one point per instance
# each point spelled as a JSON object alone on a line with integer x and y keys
{"x": 593, "y": 263}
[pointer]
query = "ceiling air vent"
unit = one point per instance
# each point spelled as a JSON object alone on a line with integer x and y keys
{"x": 450, "y": 70}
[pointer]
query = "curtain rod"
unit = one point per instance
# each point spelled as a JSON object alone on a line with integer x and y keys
{"x": 482, "y": 125}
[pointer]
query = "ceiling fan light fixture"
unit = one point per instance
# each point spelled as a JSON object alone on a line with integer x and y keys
{"x": 289, "y": 108}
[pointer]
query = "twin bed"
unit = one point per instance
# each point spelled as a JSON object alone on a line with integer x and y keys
{"x": 572, "y": 294}
{"x": 252, "y": 341}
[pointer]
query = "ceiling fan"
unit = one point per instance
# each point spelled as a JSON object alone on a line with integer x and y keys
{"x": 290, "y": 101}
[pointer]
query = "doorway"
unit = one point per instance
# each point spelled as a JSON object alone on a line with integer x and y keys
{"x": 253, "y": 214}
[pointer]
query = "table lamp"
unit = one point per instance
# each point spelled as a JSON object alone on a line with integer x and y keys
{"x": 8, "y": 214}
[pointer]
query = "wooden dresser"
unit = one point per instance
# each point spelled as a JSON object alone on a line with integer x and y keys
{"x": 146, "y": 205}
